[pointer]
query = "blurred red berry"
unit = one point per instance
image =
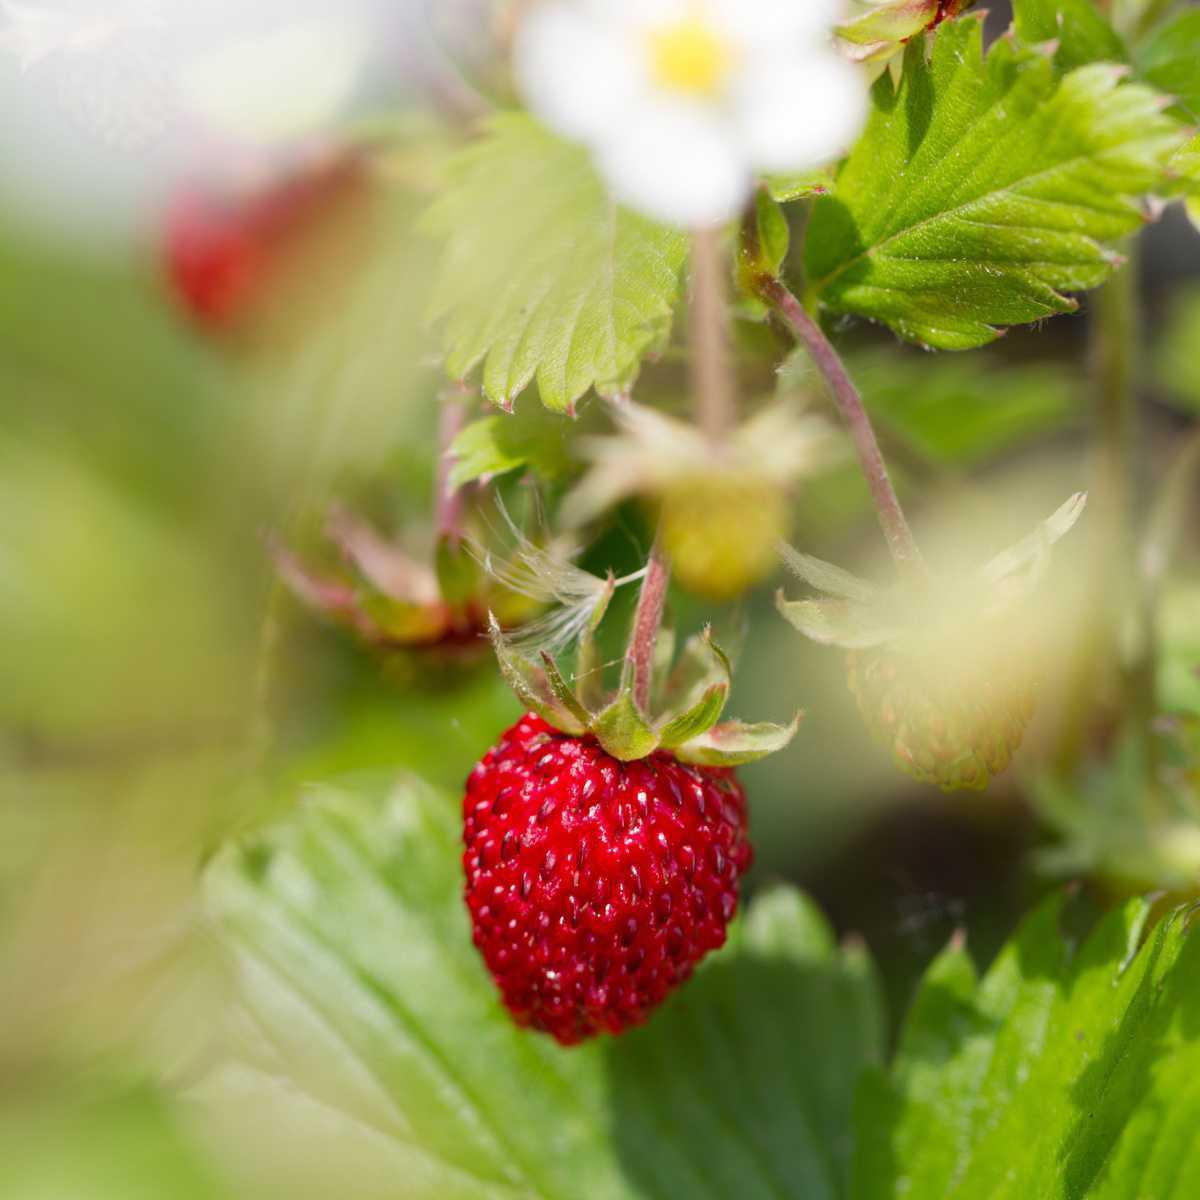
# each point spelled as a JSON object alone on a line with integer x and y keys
{"x": 595, "y": 886}
{"x": 225, "y": 249}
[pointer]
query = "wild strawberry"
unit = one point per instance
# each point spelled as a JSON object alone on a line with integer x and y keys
{"x": 722, "y": 510}
{"x": 944, "y": 675}
{"x": 225, "y": 249}
{"x": 595, "y": 886}
{"x": 603, "y": 848}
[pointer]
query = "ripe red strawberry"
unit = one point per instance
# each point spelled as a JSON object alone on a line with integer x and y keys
{"x": 595, "y": 886}
{"x": 605, "y": 836}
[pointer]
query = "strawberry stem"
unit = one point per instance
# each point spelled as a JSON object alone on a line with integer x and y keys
{"x": 895, "y": 526}
{"x": 1127, "y": 595}
{"x": 639, "y": 658}
{"x": 712, "y": 376}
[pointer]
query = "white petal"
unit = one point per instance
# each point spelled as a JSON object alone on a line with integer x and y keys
{"x": 800, "y": 111}
{"x": 777, "y": 24}
{"x": 680, "y": 163}
{"x": 639, "y": 14}
{"x": 575, "y": 72}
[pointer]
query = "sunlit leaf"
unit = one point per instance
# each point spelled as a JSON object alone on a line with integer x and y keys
{"x": 1170, "y": 59}
{"x": 984, "y": 189}
{"x": 353, "y": 956}
{"x": 1080, "y": 32}
{"x": 542, "y": 275}
{"x": 495, "y": 445}
{"x": 1068, "y": 1070}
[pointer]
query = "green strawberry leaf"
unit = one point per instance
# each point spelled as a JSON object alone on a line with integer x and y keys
{"x": 950, "y": 411}
{"x": 983, "y": 189}
{"x": 785, "y": 188}
{"x": 953, "y": 413}
{"x": 542, "y": 275}
{"x": 1068, "y": 1070}
{"x": 1082, "y": 33}
{"x": 1170, "y": 59}
{"x": 373, "y": 1020}
{"x": 1186, "y": 166}
{"x": 528, "y": 439}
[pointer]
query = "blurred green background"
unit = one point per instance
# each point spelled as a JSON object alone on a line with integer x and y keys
{"x": 162, "y": 693}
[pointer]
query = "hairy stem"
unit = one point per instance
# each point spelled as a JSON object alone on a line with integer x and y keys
{"x": 448, "y": 500}
{"x": 639, "y": 658}
{"x": 896, "y": 530}
{"x": 712, "y": 375}
{"x": 1116, "y": 328}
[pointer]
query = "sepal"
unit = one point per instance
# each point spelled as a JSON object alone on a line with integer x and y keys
{"x": 701, "y": 665}
{"x": 1023, "y": 564}
{"x": 676, "y": 710}
{"x": 884, "y": 28}
{"x": 530, "y": 683}
{"x": 857, "y": 615}
{"x": 835, "y": 622}
{"x": 734, "y": 743}
{"x": 622, "y": 729}
{"x": 562, "y": 690}
{"x": 697, "y": 720}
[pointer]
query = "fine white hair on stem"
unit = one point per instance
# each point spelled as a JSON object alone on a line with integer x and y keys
{"x": 546, "y": 575}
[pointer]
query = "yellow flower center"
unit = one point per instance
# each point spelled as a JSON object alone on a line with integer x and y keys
{"x": 689, "y": 56}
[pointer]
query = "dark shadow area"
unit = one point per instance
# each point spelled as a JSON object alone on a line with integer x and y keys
{"x": 920, "y": 873}
{"x": 919, "y": 100}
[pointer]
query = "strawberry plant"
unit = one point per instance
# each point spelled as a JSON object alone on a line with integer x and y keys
{"x": 600, "y": 601}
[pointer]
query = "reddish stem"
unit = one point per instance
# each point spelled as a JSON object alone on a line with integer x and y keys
{"x": 639, "y": 658}
{"x": 896, "y": 530}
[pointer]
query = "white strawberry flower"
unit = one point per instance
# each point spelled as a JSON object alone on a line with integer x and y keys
{"x": 684, "y": 101}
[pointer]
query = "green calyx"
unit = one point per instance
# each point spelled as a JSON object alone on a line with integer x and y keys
{"x": 687, "y": 702}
